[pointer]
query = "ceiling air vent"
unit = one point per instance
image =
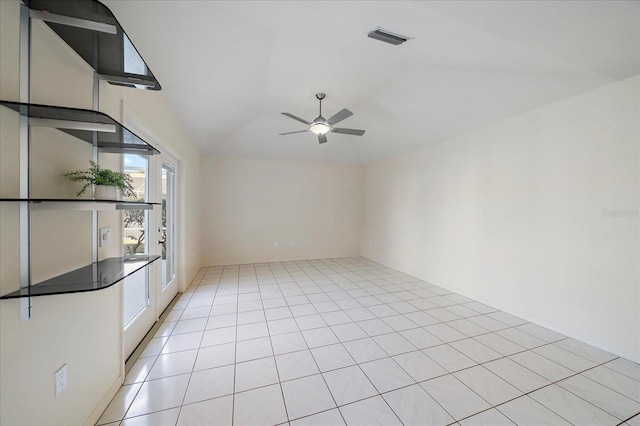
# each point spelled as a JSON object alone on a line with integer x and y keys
{"x": 388, "y": 37}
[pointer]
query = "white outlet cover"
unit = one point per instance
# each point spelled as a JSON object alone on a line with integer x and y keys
{"x": 275, "y": 244}
{"x": 61, "y": 379}
{"x": 105, "y": 236}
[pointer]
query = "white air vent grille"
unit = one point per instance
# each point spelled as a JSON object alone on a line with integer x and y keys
{"x": 388, "y": 36}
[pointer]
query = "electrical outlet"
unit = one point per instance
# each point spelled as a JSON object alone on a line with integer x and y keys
{"x": 482, "y": 272}
{"x": 293, "y": 243}
{"x": 275, "y": 244}
{"x": 61, "y": 379}
{"x": 105, "y": 236}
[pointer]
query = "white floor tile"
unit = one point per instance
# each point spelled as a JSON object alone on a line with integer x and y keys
{"x": 307, "y": 395}
{"x": 421, "y": 318}
{"x": 499, "y": 344}
{"x": 214, "y": 412}
{"x": 369, "y": 412}
{"x": 615, "y": 381}
{"x": 294, "y": 365}
{"x": 445, "y": 333}
{"x": 454, "y": 396}
{"x": 160, "y": 418}
{"x": 289, "y": 342}
{"x": 326, "y": 418}
{"x": 349, "y": 331}
{"x": 419, "y": 366}
{"x": 364, "y": 350}
{"x": 282, "y": 326}
{"x": 309, "y": 322}
{"x": 208, "y": 384}
{"x": 486, "y": 384}
{"x": 375, "y": 327}
{"x": 589, "y": 352}
{"x": 248, "y": 350}
{"x": 215, "y": 356}
{"x": 157, "y": 395}
{"x": 571, "y": 407}
{"x": 414, "y": 406}
{"x": 525, "y": 411}
{"x": 623, "y": 366}
{"x": 336, "y": 318}
{"x": 250, "y": 317}
{"x": 449, "y": 358}
{"x": 394, "y": 344}
{"x": 252, "y": 331}
{"x": 601, "y": 396}
{"x": 491, "y": 417}
{"x": 221, "y": 321}
{"x": 544, "y": 367}
{"x": 565, "y": 358}
{"x": 386, "y": 374}
{"x": 331, "y": 357}
{"x": 182, "y": 342}
{"x": 139, "y": 371}
{"x": 349, "y": 384}
{"x": 190, "y": 326}
{"x": 154, "y": 347}
{"x": 255, "y": 374}
{"x": 475, "y": 350}
{"x": 173, "y": 364}
{"x": 515, "y": 374}
{"x": 120, "y": 404}
{"x": 219, "y": 336}
{"x": 263, "y": 406}
{"x": 319, "y": 337}
{"x": 521, "y": 338}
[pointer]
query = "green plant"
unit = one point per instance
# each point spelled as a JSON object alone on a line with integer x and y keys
{"x": 96, "y": 175}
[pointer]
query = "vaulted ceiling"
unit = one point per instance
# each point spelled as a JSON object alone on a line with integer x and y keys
{"x": 229, "y": 68}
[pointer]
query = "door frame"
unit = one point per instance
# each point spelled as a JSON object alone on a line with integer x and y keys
{"x": 135, "y": 332}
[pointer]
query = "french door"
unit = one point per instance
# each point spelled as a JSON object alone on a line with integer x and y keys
{"x": 150, "y": 232}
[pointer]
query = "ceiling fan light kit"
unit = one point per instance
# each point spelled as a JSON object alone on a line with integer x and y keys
{"x": 321, "y": 126}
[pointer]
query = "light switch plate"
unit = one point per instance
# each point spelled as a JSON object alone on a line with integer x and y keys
{"x": 105, "y": 236}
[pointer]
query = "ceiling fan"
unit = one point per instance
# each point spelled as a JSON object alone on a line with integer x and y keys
{"x": 321, "y": 126}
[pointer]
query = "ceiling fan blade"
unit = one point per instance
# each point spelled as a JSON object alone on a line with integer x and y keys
{"x": 322, "y": 138}
{"x": 296, "y": 118}
{"x": 338, "y": 117}
{"x": 354, "y": 132}
{"x": 290, "y": 133}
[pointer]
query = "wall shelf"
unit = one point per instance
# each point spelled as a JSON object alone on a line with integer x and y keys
{"x": 81, "y": 204}
{"x": 90, "y": 126}
{"x": 94, "y": 33}
{"x": 97, "y": 276}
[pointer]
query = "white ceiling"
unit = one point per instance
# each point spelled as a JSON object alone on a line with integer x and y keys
{"x": 229, "y": 68}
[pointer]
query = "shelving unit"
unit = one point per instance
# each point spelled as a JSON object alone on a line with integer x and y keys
{"x": 97, "y": 276}
{"x": 90, "y": 29}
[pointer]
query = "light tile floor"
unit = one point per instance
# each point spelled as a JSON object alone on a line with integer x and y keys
{"x": 348, "y": 341}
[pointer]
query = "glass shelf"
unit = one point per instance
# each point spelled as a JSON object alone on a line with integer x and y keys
{"x": 96, "y": 276}
{"x": 82, "y": 204}
{"x": 84, "y": 124}
{"x": 89, "y": 28}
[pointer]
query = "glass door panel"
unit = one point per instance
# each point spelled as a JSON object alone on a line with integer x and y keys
{"x": 167, "y": 230}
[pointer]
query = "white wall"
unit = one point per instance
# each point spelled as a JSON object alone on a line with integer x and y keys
{"x": 249, "y": 204}
{"x": 83, "y": 330}
{"x": 523, "y": 200}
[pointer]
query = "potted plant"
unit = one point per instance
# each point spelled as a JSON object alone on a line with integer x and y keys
{"x": 96, "y": 177}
